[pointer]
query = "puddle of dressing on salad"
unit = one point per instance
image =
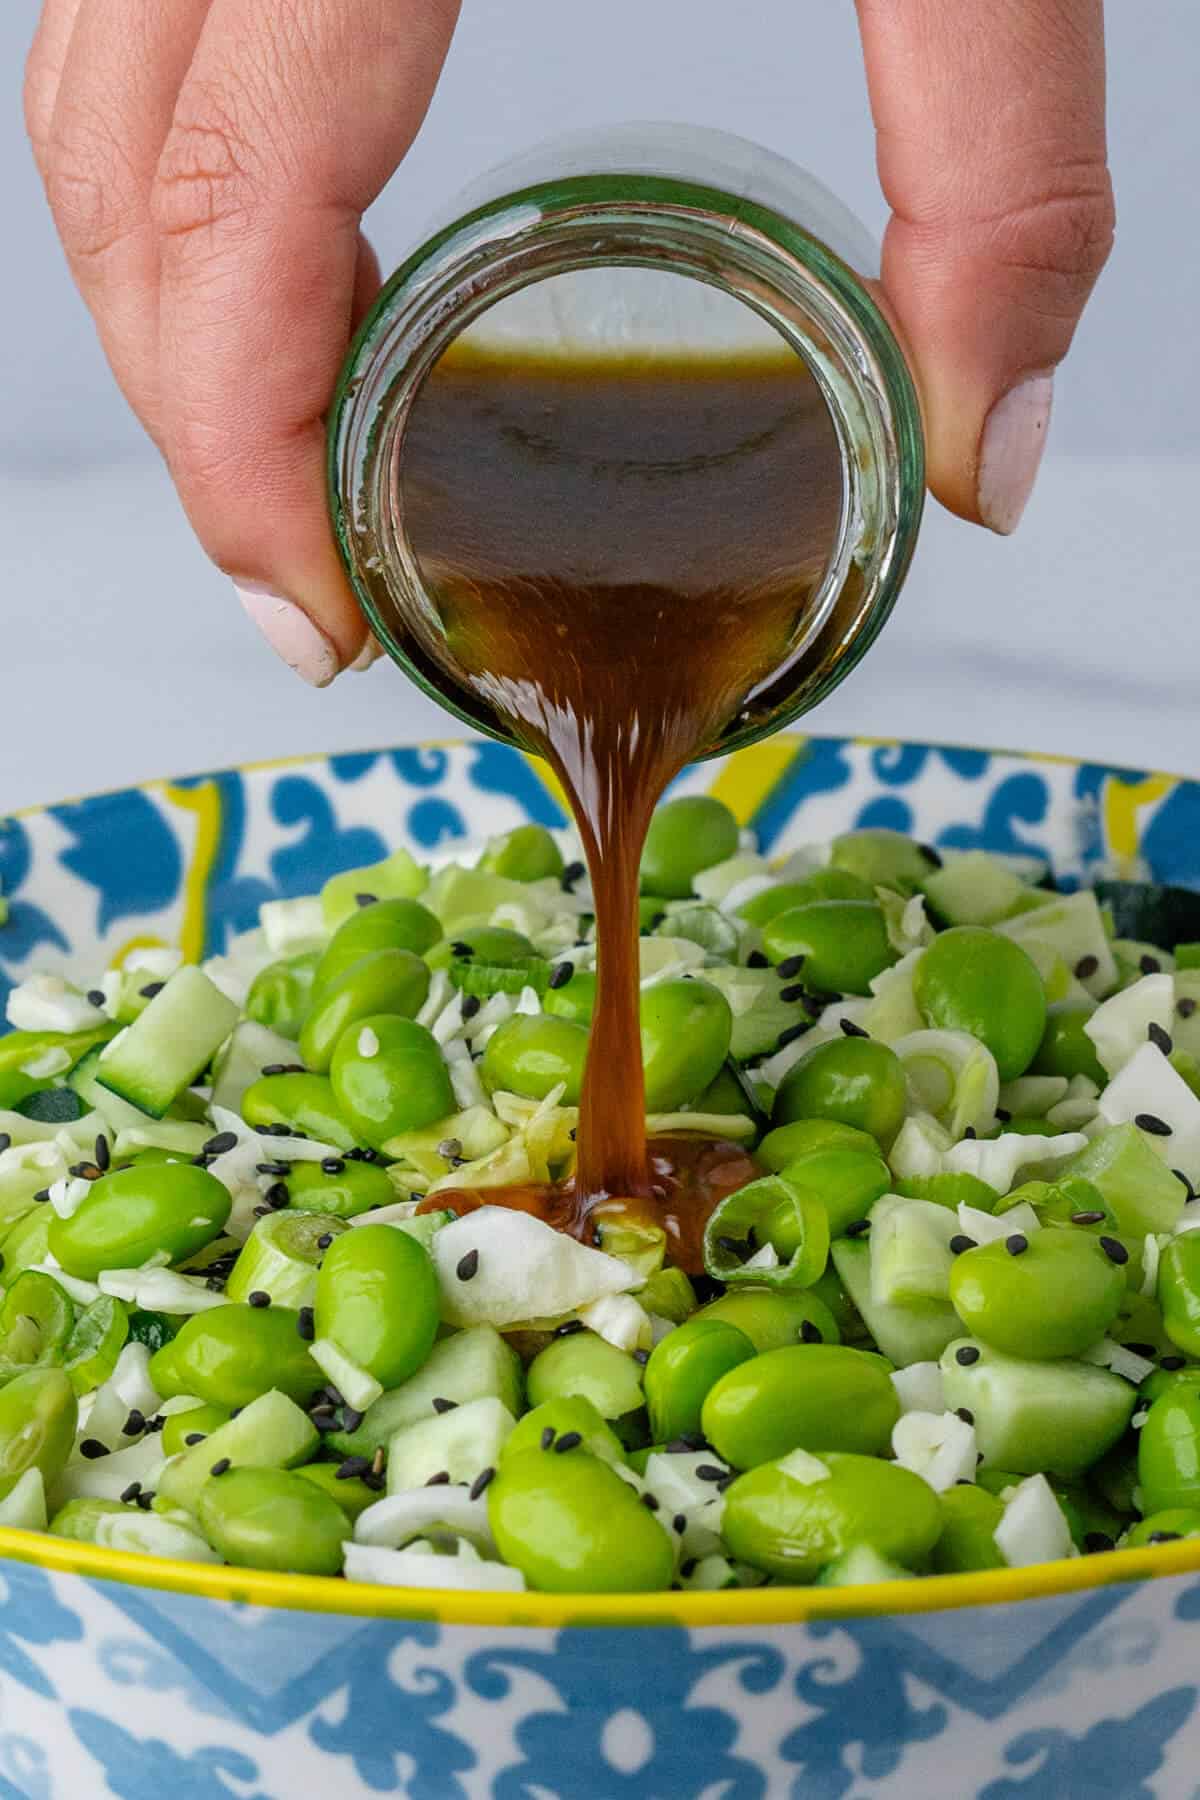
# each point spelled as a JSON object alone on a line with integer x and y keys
{"x": 621, "y": 552}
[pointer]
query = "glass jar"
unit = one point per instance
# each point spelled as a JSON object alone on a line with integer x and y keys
{"x": 583, "y": 241}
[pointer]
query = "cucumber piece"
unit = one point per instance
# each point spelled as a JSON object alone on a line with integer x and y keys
{"x": 1134, "y": 1182}
{"x": 1072, "y": 926}
{"x": 470, "y": 1365}
{"x": 271, "y": 1433}
{"x": 117, "y": 1114}
{"x": 759, "y": 1015}
{"x": 168, "y": 1046}
{"x": 27, "y": 1243}
{"x": 397, "y": 877}
{"x": 281, "y": 1258}
{"x": 972, "y": 889}
{"x": 52, "y": 1106}
{"x": 462, "y": 1443}
{"x": 251, "y": 1050}
{"x": 904, "y": 1334}
{"x": 1158, "y": 915}
{"x": 357, "y": 1385}
{"x": 1036, "y": 1417}
{"x": 910, "y": 1252}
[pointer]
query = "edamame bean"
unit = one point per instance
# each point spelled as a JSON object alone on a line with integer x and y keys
{"x": 584, "y": 1364}
{"x": 883, "y": 858}
{"x": 686, "y": 1026}
{"x": 356, "y": 1187}
{"x": 197, "y": 1422}
{"x": 822, "y": 884}
{"x": 389, "y": 1076}
{"x": 281, "y": 993}
{"x": 1051, "y": 1294}
{"x": 1178, "y": 1292}
{"x": 495, "y": 946}
{"x": 846, "y": 1182}
{"x": 305, "y": 1103}
{"x": 788, "y": 1143}
{"x": 271, "y": 1519}
{"x": 134, "y": 1214}
{"x": 377, "y": 1298}
{"x": 572, "y": 1526}
{"x": 565, "y": 1413}
{"x": 232, "y": 1354}
{"x": 686, "y": 836}
{"x": 383, "y": 981}
{"x": 532, "y": 1054}
{"x": 791, "y": 1524}
{"x": 844, "y": 943}
{"x": 526, "y": 853}
{"x": 575, "y": 999}
{"x": 1066, "y": 1049}
{"x": 855, "y": 1080}
{"x": 396, "y": 924}
{"x": 772, "y": 1317}
{"x": 352, "y": 1494}
{"x": 972, "y": 979}
{"x": 1161, "y": 1527}
{"x": 683, "y": 1367}
{"x": 805, "y": 1397}
{"x": 39, "y": 1415}
{"x": 1168, "y": 1451}
{"x": 970, "y": 1516}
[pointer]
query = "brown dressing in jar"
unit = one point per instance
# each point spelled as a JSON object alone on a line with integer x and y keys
{"x": 621, "y": 552}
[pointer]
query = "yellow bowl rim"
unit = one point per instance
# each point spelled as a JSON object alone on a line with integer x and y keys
{"x": 744, "y": 1607}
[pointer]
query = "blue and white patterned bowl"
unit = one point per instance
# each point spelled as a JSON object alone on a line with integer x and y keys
{"x": 126, "y": 1676}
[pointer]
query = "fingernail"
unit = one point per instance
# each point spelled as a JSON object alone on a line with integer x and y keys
{"x": 290, "y": 633}
{"x": 1014, "y": 436}
{"x": 370, "y": 653}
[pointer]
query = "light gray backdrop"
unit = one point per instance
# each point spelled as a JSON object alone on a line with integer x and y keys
{"x": 124, "y": 654}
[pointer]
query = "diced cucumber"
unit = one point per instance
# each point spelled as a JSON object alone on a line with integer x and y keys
{"x": 476, "y": 1132}
{"x": 972, "y": 889}
{"x": 911, "y": 1258}
{"x": 281, "y": 1258}
{"x": 461, "y": 1443}
{"x": 759, "y": 1015}
{"x": 165, "y": 1049}
{"x": 397, "y": 877}
{"x": 251, "y": 1050}
{"x": 904, "y": 1334}
{"x": 458, "y": 897}
{"x": 1135, "y": 1184}
{"x": 356, "y": 1384}
{"x": 116, "y": 1113}
{"x": 271, "y": 1433}
{"x": 1036, "y": 1417}
{"x": 1072, "y": 925}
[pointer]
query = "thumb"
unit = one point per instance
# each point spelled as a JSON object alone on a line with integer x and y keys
{"x": 989, "y": 117}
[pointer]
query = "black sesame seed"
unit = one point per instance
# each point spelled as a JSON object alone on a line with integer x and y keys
{"x": 966, "y": 1354}
{"x": 650, "y": 1502}
{"x": 572, "y": 873}
{"x": 262, "y": 1210}
{"x": 42, "y": 1195}
{"x": 1146, "y": 1350}
{"x": 570, "y": 1440}
{"x": 1159, "y": 1038}
{"x": 965, "y": 1414}
{"x": 375, "y": 1482}
{"x": 442, "y": 1405}
{"x": 1185, "y": 1007}
{"x": 220, "y": 1142}
{"x": 93, "y": 1448}
{"x": 1017, "y": 1244}
{"x": 850, "y": 1029}
{"x": 756, "y": 960}
{"x": 813, "y": 1005}
{"x": 84, "y": 1171}
{"x": 306, "y": 1324}
{"x": 277, "y": 1195}
{"x": 1149, "y": 965}
{"x": 450, "y": 1149}
{"x": 1114, "y": 1250}
{"x": 1096, "y": 1542}
{"x": 283, "y": 1069}
{"x": 710, "y": 1472}
{"x": 687, "y": 1441}
{"x": 130, "y": 1494}
{"x": 5, "y": 1140}
{"x": 810, "y": 1333}
{"x": 145, "y": 1499}
{"x": 351, "y": 1418}
{"x": 789, "y": 967}
{"x": 95, "y": 996}
{"x": 284, "y": 1131}
{"x": 441, "y": 1479}
{"x": 560, "y": 974}
{"x": 1003, "y": 1114}
{"x": 195, "y": 1437}
{"x": 366, "y": 899}
{"x": 1171, "y": 1363}
{"x": 1151, "y": 1123}
{"x": 547, "y": 1436}
{"x": 151, "y": 989}
{"x": 857, "y": 1227}
{"x": 679, "y": 1524}
{"x": 102, "y": 1152}
{"x": 970, "y": 1132}
{"x": 470, "y": 1006}
{"x": 325, "y": 1418}
{"x": 135, "y": 1424}
{"x": 960, "y": 1242}
{"x": 657, "y": 919}
{"x": 324, "y": 1241}
{"x": 1163, "y": 1537}
{"x": 790, "y": 1035}
{"x": 1086, "y": 966}
{"x": 467, "y": 1266}
{"x": 258, "y": 1297}
{"x": 480, "y": 1483}
{"x": 795, "y": 992}
{"x": 273, "y": 1168}
{"x": 569, "y": 1328}
{"x": 460, "y": 948}
{"x": 934, "y": 856}
{"x": 1088, "y": 1218}
{"x": 352, "y": 1468}
{"x": 642, "y": 1357}
{"x": 221, "y": 1466}
{"x": 332, "y": 1165}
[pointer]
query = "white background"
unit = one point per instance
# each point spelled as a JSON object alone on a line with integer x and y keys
{"x": 124, "y": 654}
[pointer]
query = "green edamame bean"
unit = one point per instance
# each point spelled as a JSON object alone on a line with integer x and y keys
{"x": 822, "y": 884}
{"x": 1164, "y": 1381}
{"x": 575, "y": 999}
{"x": 1161, "y": 1527}
{"x": 352, "y": 1495}
{"x": 396, "y": 924}
{"x": 586, "y": 1365}
{"x": 383, "y": 981}
{"x": 683, "y": 1367}
{"x": 532, "y": 1054}
{"x": 272, "y": 1519}
{"x": 846, "y": 1182}
{"x": 791, "y": 1528}
{"x": 572, "y": 1526}
{"x": 972, "y": 979}
{"x": 305, "y": 1103}
{"x": 39, "y": 1415}
{"x": 196, "y": 1423}
{"x": 389, "y": 1076}
{"x": 495, "y": 945}
{"x": 232, "y": 1354}
{"x": 565, "y": 1413}
{"x": 526, "y": 853}
{"x": 1057, "y": 1295}
{"x": 970, "y": 1516}
{"x": 356, "y": 1188}
{"x": 883, "y": 858}
{"x": 844, "y": 943}
{"x": 281, "y": 993}
{"x": 1178, "y": 1292}
{"x": 686, "y": 1026}
{"x": 377, "y": 1298}
{"x": 772, "y": 1317}
{"x": 857, "y": 1081}
{"x": 136, "y": 1213}
{"x": 830, "y": 1290}
{"x": 1168, "y": 1451}
{"x": 686, "y": 836}
{"x": 788, "y": 1143}
{"x": 805, "y": 1397}
{"x": 1066, "y": 1049}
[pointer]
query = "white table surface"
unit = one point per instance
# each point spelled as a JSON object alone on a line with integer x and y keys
{"x": 125, "y": 655}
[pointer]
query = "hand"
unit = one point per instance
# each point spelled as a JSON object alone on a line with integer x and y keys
{"x": 989, "y": 117}
{"x": 208, "y": 162}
